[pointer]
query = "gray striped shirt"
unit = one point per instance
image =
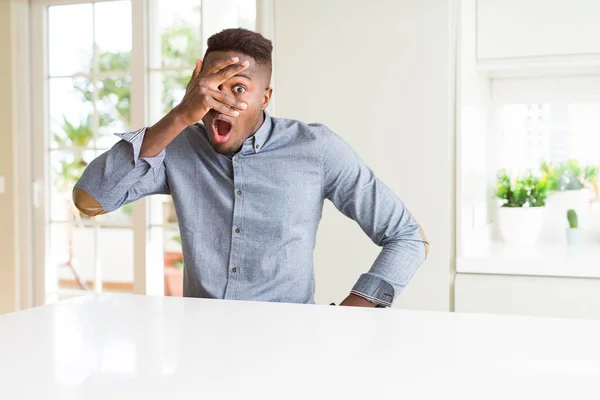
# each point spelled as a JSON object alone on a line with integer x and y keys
{"x": 248, "y": 223}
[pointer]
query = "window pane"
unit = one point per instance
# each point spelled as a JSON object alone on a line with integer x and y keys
{"x": 162, "y": 211}
{"x": 72, "y": 25}
{"x": 560, "y": 142}
{"x": 115, "y": 247}
{"x": 166, "y": 91}
{"x": 113, "y": 35}
{"x": 62, "y": 263}
{"x": 175, "y": 38}
{"x": 71, "y": 110}
{"x": 79, "y": 266}
{"x": 114, "y": 109}
{"x": 555, "y": 133}
{"x": 173, "y": 259}
{"x": 222, "y": 14}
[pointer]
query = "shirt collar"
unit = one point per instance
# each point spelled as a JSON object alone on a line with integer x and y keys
{"x": 259, "y": 139}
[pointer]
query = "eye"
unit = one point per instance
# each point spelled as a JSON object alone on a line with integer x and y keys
{"x": 239, "y": 89}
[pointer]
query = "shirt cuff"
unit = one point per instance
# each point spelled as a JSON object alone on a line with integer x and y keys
{"x": 375, "y": 290}
{"x": 136, "y": 138}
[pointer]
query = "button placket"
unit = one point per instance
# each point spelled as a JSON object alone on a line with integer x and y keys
{"x": 238, "y": 203}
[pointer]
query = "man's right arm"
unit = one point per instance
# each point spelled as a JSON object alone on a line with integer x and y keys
{"x": 120, "y": 176}
{"x": 133, "y": 168}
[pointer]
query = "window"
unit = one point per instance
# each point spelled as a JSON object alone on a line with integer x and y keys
{"x": 551, "y": 132}
{"x": 549, "y": 127}
{"x": 98, "y": 72}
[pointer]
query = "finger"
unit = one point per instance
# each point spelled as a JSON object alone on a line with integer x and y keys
{"x": 197, "y": 69}
{"x": 223, "y": 108}
{"x": 195, "y": 74}
{"x": 220, "y": 64}
{"x": 228, "y": 100}
{"x": 227, "y": 72}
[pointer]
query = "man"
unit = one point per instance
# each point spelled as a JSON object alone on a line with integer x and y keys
{"x": 249, "y": 189}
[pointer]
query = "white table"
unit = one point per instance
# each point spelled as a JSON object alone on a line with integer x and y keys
{"x": 136, "y": 347}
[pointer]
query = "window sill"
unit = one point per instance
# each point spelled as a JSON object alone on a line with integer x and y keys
{"x": 556, "y": 260}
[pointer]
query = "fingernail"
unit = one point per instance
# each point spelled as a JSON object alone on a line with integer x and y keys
{"x": 246, "y": 63}
{"x": 236, "y": 113}
{"x": 243, "y": 105}
{"x": 235, "y": 59}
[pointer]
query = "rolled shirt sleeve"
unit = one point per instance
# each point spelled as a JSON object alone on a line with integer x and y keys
{"x": 356, "y": 192}
{"x": 120, "y": 176}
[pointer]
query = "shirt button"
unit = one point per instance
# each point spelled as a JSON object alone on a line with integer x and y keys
{"x": 239, "y": 192}
{"x": 236, "y": 159}
{"x": 257, "y": 146}
{"x": 234, "y": 270}
{"x": 237, "y": 230}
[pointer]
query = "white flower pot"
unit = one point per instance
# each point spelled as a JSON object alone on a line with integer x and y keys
{"x": 520, "y": 225}
{"x": 573, "y": 235}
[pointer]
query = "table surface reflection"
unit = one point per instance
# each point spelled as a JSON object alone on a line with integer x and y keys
{"x": 113, "y": 346}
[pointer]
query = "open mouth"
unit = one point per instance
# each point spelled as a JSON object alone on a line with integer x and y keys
{"x": 221, "y": 129}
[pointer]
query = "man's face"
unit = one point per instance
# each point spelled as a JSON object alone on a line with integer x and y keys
{"x": 227, "y": 134}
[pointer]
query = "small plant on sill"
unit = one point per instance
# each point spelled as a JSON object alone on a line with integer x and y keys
{"x": 572, "y": 218}
{"x": 574, "y": 234}
{"x": 527, "y": 190}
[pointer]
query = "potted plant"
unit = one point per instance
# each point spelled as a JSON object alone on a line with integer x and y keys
{"x": 522, "y": 205}
{"x": 173, "y": 271}
{"x": 567, "y": 184}
{"x": 573, "y": 231}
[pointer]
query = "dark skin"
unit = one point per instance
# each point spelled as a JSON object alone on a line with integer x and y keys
{"x": 228, "y": 86}
{"x": 250, "y": 86}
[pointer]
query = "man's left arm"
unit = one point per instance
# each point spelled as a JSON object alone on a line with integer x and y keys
{"x": 355, "y": 191}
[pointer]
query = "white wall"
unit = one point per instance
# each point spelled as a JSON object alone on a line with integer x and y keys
{"x": 537, "y": 28}
{"x": 380, "y": 73}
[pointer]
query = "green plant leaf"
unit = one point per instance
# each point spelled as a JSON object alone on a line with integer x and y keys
{"x": 527, "y": 190}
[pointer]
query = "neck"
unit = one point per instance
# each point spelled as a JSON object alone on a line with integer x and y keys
{"x": 258, "y": 124}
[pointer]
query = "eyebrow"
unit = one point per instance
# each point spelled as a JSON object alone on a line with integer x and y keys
{"x": 242, "y": 76}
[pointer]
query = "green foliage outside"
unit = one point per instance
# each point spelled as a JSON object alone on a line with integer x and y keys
{"x": 590, "y": 173}
{"x": 569, "y": 175}
{"x": 527, "y": 190}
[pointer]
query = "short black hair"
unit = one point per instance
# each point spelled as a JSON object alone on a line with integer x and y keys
{"x": 244, "y": 41}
